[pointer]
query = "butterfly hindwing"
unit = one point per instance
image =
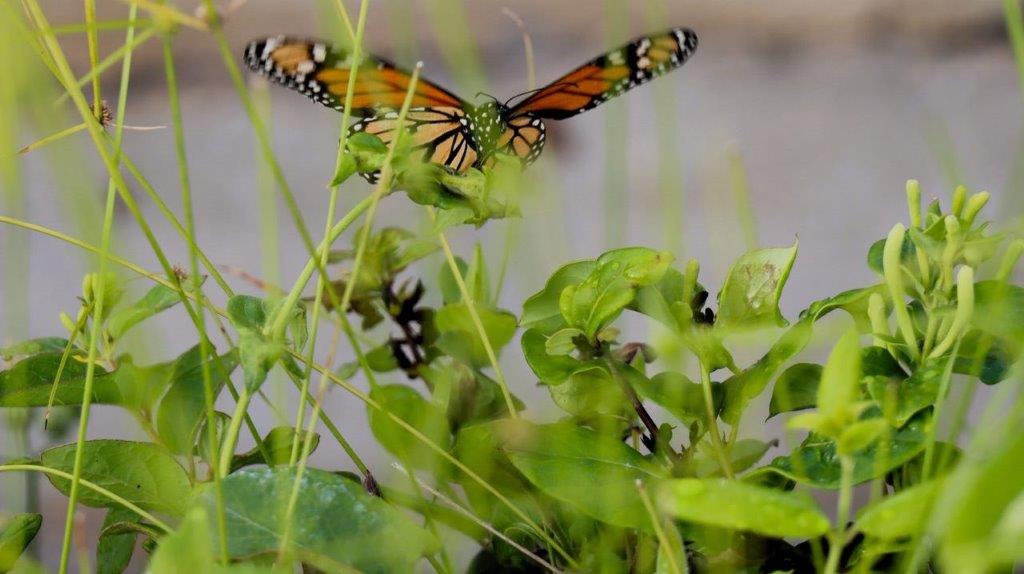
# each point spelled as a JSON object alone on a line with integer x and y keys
{"x": 440, "y": 134}
{"x": 611, "y": 74}
{"x": 321, "y": 71}
{"x": 523, "y": 137}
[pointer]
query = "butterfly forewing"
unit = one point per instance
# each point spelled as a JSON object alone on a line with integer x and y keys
{"x": 611, "y": 74}
{"x": 321, "y": 72}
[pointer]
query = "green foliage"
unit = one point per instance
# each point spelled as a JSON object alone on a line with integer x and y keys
{"x": 644, "y": 469}
{"x": 353, "y": 528}
{"x": 17, "y": 533}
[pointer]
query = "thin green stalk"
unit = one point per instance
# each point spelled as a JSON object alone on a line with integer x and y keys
{"x": 52, "y": 138}
{"x": 116, "y": 56}
{"x": 99, "y": 26}
{"x": 1015, "y": 28}
{"x": 99, "y": 287}
{"x": 91, "y": 486}
{"x": 79, "y": 326}
{"x": 205, "y": 347}
{"x": 716, "y": 435}
{"x": 382, "y": 185}
{"x": 838, "y": 537}
{"x": 659, "y": 532}
{"x": 322, "y": 281}
{"x": 467, "y": 298}
{"x": 741, "y": 194}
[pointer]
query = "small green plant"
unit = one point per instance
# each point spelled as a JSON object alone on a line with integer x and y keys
{"x": 645, "y": 468}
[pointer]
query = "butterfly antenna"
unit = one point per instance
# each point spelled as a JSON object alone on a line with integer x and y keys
{"x": 478, "y": 94}
{"x": 531, "y": 92}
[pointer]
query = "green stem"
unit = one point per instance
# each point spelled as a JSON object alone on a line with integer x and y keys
{"x": 709, "y": 406}
{"x": 838, "y": 537}
{"x": 231, "y": 435}
{"x": 1015, "y": 27}
{"x": 467, "y": 298}
{"x": 209, "y": 396}
{"x": 93, "y": 487}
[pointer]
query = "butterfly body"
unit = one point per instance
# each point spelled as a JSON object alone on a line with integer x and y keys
{"x": 444, "y": 128}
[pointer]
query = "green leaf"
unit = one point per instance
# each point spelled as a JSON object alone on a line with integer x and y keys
{"x": 140, "y": 472}
{"x": 875, "y": 253}
{"x": 743, "y": 454}
{"x": 450, "y": 292}
{"x": 500, "y": 327}
{"x": 478, "y": 281}
{"x": 114, "y": 550}
{"x": 29, "y": 381}
{"x": 190, "y": 549}
{"x": 352, "y": 528}
{"x": 550, "y": 369}
{"x": 17, "y": 534}
{"x": 860, "y": 435}
{"x": 596, "y": 474}
{"x": 901, "y": 515}
{"x": 156, "y": 300}
{"x": 840, "y": 380}
{"x": 986, "y": 356}
{"x": 541, "y": 310}
{"x": 744, "y": 387}
{"x": 795, "y": 389}
{"x": 854, "y": 302}
{"x": 184, "y": 405}
{"x": 33, "y": 347}
{"x": 977, "y": 516}
{"x": 913, "y": 395}
{"x": 999, "y": 309}
{"x": 424, "y": 416}
{"x": 591, "y": 390}
{"x": 562, "y": 341}
{"x": 751, "y": 292}
{"x": 728, "y": 504}
{"x": 816, "y": 461}
{"x": 679, "y": 396}
{"x": 671, "y": 556}
{"x": 278, "y": 443}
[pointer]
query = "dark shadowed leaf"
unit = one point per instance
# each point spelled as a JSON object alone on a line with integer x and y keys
{"x": 140, "y": 472}
{"x": 680, "y": 396}
{"x": 913, "y": 394}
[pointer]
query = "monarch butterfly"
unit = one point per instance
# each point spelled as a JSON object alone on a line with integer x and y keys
{"x": 447, "y": 129}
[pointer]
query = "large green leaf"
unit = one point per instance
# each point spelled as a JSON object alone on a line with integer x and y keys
{"x": 740, "y": 506}
{"x": 335, "y": 521}
{"x": 596, "y": 474}
{"x": 29, "y": 382}
{"x": 591, "y": 390}
{"x": 183, "y": 406}
{"x": 189, "y": 549}
{"x": 18, "y": 531}
{"x": 406, "y": 404}
{"x": 901, "y": 515}
{"x": 140, "y": 472}
{"x": 816, "y": 461}
{"x": 751, "y": 292}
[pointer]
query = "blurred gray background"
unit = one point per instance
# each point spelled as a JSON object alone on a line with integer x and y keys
{"x": 831, "y": 107}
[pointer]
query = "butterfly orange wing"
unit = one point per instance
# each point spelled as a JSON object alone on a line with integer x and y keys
{"x": 611, "y": 74}
{"x": 321, "y": 72}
